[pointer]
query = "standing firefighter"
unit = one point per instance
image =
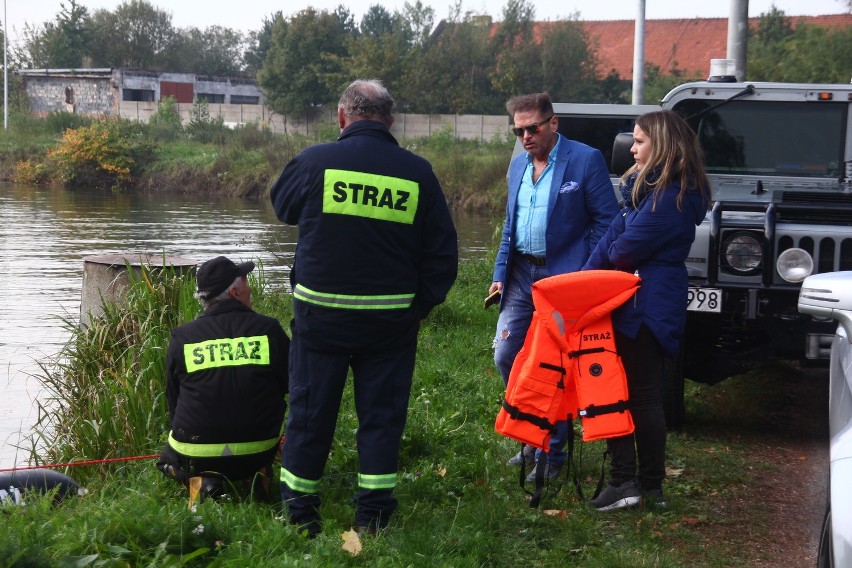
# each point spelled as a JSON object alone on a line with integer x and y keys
{"x": 377, "y": 251}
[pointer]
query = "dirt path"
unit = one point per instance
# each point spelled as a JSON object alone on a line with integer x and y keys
{"x": 788, "y": 487}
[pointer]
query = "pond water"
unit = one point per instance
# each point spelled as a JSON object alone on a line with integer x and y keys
{"x": 46, "y": 233}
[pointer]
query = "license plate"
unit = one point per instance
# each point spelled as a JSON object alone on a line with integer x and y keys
{"x": 704, "y": 300}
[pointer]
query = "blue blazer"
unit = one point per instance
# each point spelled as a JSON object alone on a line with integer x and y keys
{"x": 580, "y": 207}
{"x": 653, "y": 241}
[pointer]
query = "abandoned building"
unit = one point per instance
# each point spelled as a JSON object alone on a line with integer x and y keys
{"x": 101, "y": 91}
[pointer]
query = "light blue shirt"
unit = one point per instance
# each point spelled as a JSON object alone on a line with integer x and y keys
{"x": 533, "y": 199}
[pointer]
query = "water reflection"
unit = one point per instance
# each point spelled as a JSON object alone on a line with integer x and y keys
{"x": 45, "y": 234}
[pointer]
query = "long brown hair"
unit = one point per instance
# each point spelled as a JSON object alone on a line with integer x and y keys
{"x": 675, "y": 155}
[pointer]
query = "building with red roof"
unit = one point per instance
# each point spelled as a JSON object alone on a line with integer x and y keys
{"x": 685, "y": 44}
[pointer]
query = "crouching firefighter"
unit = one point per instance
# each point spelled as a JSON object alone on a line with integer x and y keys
{"x": 568, "y": 366}
{"x": 226, "y": 381}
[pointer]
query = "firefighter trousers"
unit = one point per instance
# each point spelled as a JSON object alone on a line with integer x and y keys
{"x": 382, "y": 385}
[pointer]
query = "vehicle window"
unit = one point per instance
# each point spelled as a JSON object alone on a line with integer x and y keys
{"x": 783, "y": 138}
{"x": 595, "y": 131}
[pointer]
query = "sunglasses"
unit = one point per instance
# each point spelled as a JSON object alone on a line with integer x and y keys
{"x": 531, "y": 128}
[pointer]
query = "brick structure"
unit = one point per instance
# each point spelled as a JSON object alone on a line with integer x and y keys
{"x": 87, "y": 91}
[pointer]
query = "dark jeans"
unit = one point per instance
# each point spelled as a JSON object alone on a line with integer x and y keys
{"x": 512, "y": 325}
{"x": 643, "y": 362}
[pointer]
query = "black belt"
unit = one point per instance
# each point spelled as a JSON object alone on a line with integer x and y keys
{"x": 536, "y": 260}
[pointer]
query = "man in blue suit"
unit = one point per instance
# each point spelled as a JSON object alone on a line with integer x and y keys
{"x": 560, "y": 203}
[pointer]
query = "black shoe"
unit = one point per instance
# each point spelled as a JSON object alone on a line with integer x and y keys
{"x": 615, "y": 497}
{"x": 527, "y": 455}
{"x": 371, "y": 530}
{"x": 654, "y": 500}
{"x": 551, "y": 472}
{"x": 212, "y": 488}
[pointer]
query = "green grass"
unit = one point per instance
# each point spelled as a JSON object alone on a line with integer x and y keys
{"x": 244, "y": 161}
{"x": 459, "y": 505}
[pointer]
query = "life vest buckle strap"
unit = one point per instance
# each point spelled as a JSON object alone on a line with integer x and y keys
{"x": 517, "y": 414}
{"x": 551, "y": 367}
{"x": 581, "y": 352}
{"x": 596, "y": 410}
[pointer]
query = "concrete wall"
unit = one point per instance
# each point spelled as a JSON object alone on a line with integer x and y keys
{"x": 70, "y": 94}
{"x": 98, "y": 93}
{"x": 466, "y": 126}
{"x": 227, "y": 87}
{"x": 461, "y": 126}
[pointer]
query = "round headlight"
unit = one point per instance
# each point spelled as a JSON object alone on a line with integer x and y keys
{"x": 794, "y": 265}
{"x": 743, "y": 252}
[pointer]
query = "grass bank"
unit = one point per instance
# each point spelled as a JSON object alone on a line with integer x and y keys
{"x": 459, "y": 505}
{"x": 207, "y": 158}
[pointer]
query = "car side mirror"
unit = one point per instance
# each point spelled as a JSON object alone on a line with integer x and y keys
{"x": 622, "y": 159}
{"x": 828, "y": 295}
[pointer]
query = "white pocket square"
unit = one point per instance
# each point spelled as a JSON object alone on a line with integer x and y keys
{"x": 569, "y": 186}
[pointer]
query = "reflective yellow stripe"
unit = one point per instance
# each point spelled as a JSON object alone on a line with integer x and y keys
{"x": 351, "y": 302}
{"x": 226, "y": 352}
{"x": 383, "y": 481}
{"x": 221, "y": 450}
{"x": 299, "y": 483}
{"x": 369, "y": 195}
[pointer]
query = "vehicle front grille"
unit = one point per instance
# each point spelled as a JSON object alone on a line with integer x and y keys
{"x": 830, "y": 254}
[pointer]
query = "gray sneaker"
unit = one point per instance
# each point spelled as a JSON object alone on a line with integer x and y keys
{"x": 615, "y": 497}
{"x": 551, "y": 472}
{"x": 528, "y": 457}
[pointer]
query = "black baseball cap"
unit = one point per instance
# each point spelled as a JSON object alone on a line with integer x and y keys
{"x": 215, "y": 275}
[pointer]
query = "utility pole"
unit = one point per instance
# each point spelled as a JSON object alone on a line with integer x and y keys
{"x": 738, "y": 36}
{"x": 5, "y": 71}
{"x": 639, "y": 55}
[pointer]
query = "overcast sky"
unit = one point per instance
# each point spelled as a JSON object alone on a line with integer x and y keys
{"x": 247, "y": 15}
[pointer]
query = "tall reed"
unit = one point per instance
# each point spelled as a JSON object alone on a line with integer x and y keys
{"x": 106, "y": 388}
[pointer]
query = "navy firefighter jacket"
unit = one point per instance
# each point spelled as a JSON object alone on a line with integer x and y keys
{"x": 654, "y": 240}
{"x": 226, "y": 376}
{"x": 375, "y": 231}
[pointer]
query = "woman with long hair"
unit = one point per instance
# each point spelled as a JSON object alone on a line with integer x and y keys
{"x": 667, "y": 195}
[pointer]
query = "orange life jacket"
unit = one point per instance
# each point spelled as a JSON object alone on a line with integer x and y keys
{"x": 568, "y": 365}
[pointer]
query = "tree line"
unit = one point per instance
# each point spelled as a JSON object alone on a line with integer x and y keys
{"x": 460, "y": 65}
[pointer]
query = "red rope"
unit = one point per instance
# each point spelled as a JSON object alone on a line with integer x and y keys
{"x": 89, "y": 462}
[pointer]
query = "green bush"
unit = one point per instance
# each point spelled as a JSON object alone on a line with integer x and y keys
{"x": 108, "y": 153}
{"x": 60, "y": 121}
{"x": 472, "y": 173}
{"x": 30, "y": 172}
{"x": 252, "y": 135}
{"x": 165, "y": 123}
{"x": 213, "y": 131}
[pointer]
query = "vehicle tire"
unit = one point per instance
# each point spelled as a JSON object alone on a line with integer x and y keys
{"x": 824, "y": 559}
{"x": 672, "y": 391}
